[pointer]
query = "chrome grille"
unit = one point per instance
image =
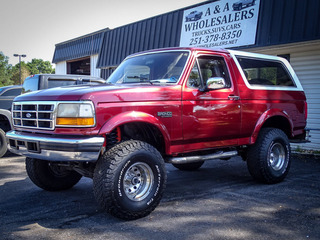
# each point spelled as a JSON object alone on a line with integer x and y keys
{"x": 37, "y": 115}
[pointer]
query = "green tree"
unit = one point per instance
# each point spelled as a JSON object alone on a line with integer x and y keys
{"x": 37, "y": 66}
{"x": 16, "y": 73}
{"x": 5, "y": 71}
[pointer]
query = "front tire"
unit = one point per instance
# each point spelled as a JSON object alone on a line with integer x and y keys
{"x": 3, "y": 143}
{"x": 129, "y": 180}
{"x": 268, "y": 159}
{"x": 49, "y": 176}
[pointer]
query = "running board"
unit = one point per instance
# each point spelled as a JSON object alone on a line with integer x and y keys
{"x": 190, "y": 159}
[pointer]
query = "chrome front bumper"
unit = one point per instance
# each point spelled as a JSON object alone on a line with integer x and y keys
{"x": 55, "y": 147}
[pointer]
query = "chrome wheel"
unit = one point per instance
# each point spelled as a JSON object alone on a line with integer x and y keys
{"x": 129, "y": 179}
{"x": 268, "y": 159}
{"x": 138, "y": 181}
{"x": 277, "y": 156}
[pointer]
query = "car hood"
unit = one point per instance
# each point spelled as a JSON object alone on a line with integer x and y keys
{"x": 105, "y": 93}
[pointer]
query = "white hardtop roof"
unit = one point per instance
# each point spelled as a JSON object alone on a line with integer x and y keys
{"x": 254, "y": 55}
{"x": 295, "y": 78}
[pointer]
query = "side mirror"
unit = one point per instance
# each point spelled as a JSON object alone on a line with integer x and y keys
{"x": 216, "y": 83}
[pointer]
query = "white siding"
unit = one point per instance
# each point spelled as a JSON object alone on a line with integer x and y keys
{"x": 305, "y": 60}
{"x": 61, "y": 68}
{"x": 307, "y": 67}
{"x": 93, "y": 66}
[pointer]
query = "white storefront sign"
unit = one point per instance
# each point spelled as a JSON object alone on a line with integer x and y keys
{"x": 224, "y": 23}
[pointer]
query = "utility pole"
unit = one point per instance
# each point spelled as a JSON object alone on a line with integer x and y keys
{"x": 19, "y": 55}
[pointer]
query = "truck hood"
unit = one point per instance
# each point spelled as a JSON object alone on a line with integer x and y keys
{"x": 105, "y": 93}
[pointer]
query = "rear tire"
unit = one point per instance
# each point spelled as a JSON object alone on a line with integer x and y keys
{"x": 129, "y": 180}
{"x": 188, "y": 166}
{"x": 49, "y": 176}
{"x": 3, "y": 143}
{"x": 269, "y": 158}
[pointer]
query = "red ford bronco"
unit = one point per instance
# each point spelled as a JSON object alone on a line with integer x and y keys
{"x": 181, "y": 106}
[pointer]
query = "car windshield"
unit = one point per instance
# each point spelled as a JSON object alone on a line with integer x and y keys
{"x": 161, "y": 67}
{"x": 31, "y": 84}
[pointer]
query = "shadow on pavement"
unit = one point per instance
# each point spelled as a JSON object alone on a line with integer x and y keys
{"x": 219, "y": 201}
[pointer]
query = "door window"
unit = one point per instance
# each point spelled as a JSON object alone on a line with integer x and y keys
{"x": 210, "y": 67}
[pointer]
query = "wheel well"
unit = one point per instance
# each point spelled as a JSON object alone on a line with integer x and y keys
{"x": 141, "y": 131}
{"x": 279, "y": 122}
{"x": 4, "y": 123}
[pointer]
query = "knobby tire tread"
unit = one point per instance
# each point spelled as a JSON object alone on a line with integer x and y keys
{"x": 106, "y": 171}
{"x": 3, "y": 147}
{"x": 40, "y": 175}
{"x": 256, "y": 162}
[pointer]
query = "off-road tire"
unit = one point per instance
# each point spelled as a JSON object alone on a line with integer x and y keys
{"x": 188, "y": 166}
{"x": 3, "y": 143}
{"x": 49, "y": 176}
{"x": 269, "y": 159}
{"x": 129, "y": 180}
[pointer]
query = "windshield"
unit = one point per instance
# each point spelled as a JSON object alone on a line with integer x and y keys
{"x": 31, "y": 84}
{"x": 162, "y": 67}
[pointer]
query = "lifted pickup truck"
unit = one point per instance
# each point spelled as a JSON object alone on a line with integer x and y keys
{"x": 34, "y": 83}
{"x": 181, "y": 106}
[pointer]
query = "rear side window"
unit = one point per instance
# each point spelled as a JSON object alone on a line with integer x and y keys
{"x": 59, "y": 83}
{"x": 265, "y": 73}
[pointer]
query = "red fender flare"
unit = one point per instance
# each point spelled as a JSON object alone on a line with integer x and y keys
{"x": 267, "y": 115}
{"x": 134, "y": 116}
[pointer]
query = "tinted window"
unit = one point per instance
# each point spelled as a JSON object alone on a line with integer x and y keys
{"x": 59, "y": 83}
{"x": 194, "y": 78}
{"x": 265, "y": 73}
{"x": 31, "y": 84}
{"x": 12, "y": 92}
{"x": 210, "y": 67}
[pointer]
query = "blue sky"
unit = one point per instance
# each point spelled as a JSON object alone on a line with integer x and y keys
{"x": 33, "y": 27}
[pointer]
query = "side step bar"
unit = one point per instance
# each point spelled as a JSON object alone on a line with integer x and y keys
{"x": 190, "y": 159}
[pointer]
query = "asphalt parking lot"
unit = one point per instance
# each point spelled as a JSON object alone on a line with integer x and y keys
{"x": 219, "y": 201}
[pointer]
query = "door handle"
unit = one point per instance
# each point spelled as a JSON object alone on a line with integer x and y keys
{"x": 233, "y": 98}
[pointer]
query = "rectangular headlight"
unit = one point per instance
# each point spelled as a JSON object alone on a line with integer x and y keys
{"x": 75, "y": 114}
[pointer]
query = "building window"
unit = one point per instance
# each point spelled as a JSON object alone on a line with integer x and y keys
{"x": 80, "y": 67}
